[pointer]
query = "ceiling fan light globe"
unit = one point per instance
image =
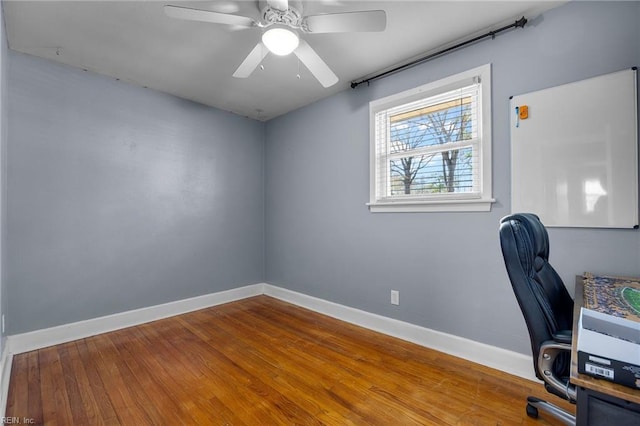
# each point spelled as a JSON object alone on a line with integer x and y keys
{"x": 280, "y": 41}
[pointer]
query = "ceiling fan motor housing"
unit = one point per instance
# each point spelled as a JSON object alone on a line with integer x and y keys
{"x": 292, "y": 17}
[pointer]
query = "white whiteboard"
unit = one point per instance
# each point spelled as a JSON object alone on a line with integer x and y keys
{"x": 574, "y": 160}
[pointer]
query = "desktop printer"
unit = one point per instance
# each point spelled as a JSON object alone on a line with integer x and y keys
{"x": 609, "y": 347}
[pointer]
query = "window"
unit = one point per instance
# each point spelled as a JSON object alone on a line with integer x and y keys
{"x": 431, "y": 146}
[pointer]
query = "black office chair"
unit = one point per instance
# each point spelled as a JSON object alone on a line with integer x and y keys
{"x": 546, "y": 305}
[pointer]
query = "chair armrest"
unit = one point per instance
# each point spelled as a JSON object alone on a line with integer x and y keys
{"x": 549, "y": 350}
{"x": 563, "y": 336}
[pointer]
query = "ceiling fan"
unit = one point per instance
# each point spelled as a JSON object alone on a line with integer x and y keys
{"x": 282, "y": 22}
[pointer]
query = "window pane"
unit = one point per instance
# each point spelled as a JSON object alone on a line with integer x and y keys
{"x": 443, "y": 172}
{"x": 438, "y": 124}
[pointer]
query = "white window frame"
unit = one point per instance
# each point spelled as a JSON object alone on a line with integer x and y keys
{"x": 479, "y": 201}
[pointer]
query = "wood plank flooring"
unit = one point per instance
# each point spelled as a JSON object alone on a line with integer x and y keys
{"x": 260, "y": 361}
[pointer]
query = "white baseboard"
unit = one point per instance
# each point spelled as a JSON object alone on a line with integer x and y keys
{"x": 501, "y": 359}
{"x": 38, "y": 339}
{"x": 6, "y": 359}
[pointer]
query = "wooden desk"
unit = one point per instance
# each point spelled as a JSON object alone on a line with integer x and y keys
{"x": 600, "y": 402}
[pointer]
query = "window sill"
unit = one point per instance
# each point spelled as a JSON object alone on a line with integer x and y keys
{"x": 477, "y": 205}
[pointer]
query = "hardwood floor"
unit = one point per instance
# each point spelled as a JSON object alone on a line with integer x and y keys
{"x": 260, "y": 361}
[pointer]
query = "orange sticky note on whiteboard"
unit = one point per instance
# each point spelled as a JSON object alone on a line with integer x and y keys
{"x": 524, "y": 112}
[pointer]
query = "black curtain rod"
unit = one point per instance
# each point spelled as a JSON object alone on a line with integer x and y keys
{"x": 520, "y": 23}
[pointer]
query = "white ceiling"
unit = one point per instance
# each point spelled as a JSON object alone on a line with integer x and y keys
{"x": 135, "y": 41}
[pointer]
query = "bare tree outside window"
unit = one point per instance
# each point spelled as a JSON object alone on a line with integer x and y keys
{"x": 422, "y": 173}
{"x": 408, "y": 136}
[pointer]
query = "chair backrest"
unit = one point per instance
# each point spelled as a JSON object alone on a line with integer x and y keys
{"x": 544, "y": 300}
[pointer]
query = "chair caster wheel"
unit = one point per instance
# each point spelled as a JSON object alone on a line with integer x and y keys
{"x": 532, "y": 411}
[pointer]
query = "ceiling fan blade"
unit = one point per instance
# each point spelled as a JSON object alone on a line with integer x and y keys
{"x": 191, "y": 14}
{"x": 252, "y": 61}
{"x": 279, "y": 4}
{"x": 315, "y": 64}
{"x": 366, "y": 21}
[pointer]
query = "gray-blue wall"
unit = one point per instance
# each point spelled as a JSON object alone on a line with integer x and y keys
{"x": 322, "y": 241}
{"x": 3, "y": 160}
{"x": 120, "y": 197}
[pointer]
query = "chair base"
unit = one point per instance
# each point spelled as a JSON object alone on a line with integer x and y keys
{"x": 535, "y": 404}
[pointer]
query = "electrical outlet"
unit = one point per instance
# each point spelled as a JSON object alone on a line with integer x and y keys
{"x": 395, "y": 297}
